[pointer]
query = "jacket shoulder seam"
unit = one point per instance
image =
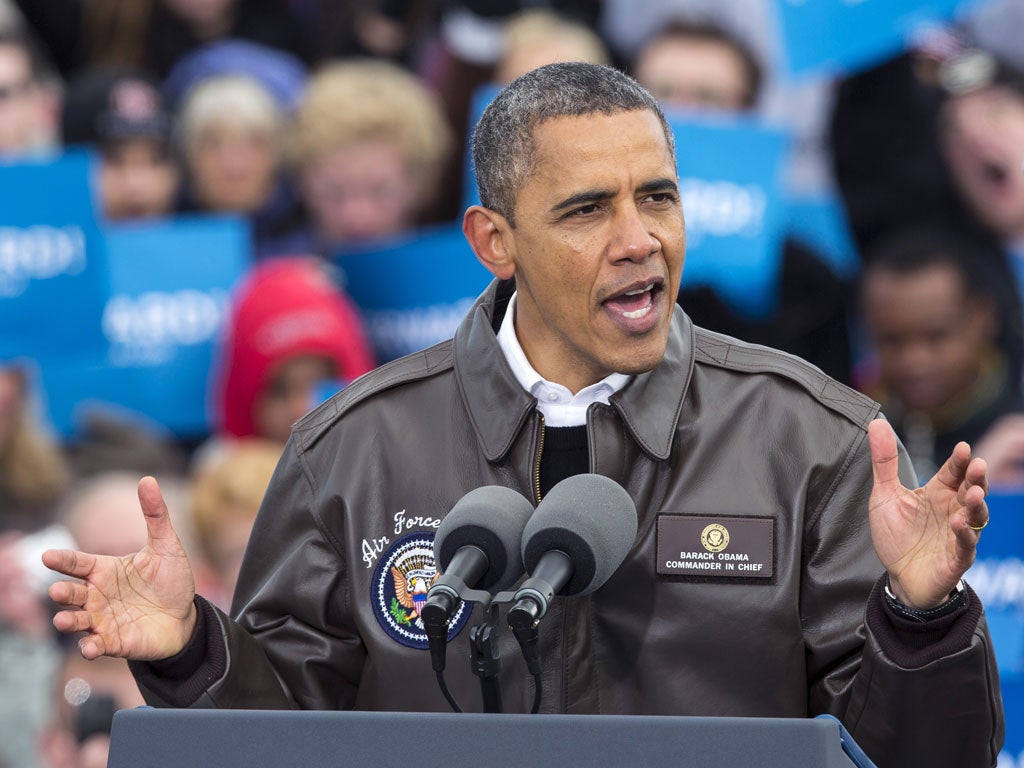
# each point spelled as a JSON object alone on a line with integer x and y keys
{"x": 731, "y": 354}
{"x": 414, "y": 367}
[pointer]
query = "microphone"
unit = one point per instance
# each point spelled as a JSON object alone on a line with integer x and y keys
{"x": 477, "y": 546}
{"x": 578, "y": 536}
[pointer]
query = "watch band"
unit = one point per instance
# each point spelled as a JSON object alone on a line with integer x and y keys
{"x": 957, "y": 599}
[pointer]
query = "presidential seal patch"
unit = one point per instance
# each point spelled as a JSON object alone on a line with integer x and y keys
{"x": 715, "y": 537}
{"x": 398, "y": 591}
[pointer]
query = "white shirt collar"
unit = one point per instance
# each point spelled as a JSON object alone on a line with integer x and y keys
{"x": 561, "y": 408}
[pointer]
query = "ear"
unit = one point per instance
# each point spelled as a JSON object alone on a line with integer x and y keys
{"x": 490, "y": 236}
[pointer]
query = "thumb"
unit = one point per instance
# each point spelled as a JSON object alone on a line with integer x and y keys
{"x": 885, "y": 465}
{"x": 162, "y": 537}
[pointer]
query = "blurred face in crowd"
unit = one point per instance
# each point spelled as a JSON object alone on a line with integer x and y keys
{"x": 86, "y": 696}
{"x": 105, "y": 518}
{"x": 597, "y": 248}
{"x": 928, "y": 333}
{"x": 227, "y": 547}
{"x": 232, "y": 167}
{"x": 290, "y": 394}
{"x": 983, "y": 139}
{"x": 138, "y": 179}
{"x": 28, "y": 111}
{"x": 694, "y": 73}
{"x": 361, "y": 192}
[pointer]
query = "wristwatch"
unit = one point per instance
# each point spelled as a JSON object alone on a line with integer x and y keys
{"x": 957, "y": 599}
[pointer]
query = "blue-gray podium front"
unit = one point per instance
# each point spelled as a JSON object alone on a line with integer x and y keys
{"x": 166, "y": 738}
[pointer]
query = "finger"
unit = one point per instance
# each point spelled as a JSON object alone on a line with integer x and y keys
{"x": 73, "y": 621}
{"x": 977, "y": 475}
{"x": 158, "y": 521}
{"x": 885, "y": 465}
{"x": 69, "y": 593}
{"x": 976, "y": 510}
{"x": 952, "y": 473}
{"x": 92, "y": 647}
{"x": 69, "y": 562}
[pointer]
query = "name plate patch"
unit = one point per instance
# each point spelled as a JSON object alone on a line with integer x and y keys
{"x": 733, "y": 547}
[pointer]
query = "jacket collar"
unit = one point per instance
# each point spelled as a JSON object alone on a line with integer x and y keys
{"x": 498, "y": 407}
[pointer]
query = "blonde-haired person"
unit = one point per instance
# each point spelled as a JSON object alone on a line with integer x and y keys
{"x": 33, "y": 469}
{"x": 537, "y": 37}
{"x": 369, "y": 145}
{"x": 230, "y": 134}
{"x": 227, "y": 488}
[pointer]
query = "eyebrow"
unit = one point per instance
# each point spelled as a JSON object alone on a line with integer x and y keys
{"x": 597, "y": 195}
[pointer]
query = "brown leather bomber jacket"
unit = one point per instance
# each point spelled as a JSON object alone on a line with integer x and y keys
{"x": 727, "y": 449}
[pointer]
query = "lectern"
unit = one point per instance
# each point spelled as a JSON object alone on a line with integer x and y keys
{"x": 170, "y": 738}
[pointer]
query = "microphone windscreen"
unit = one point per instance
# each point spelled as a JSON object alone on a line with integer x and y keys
{"x": 591, "y": 519}
{"x": 491, "y": 518}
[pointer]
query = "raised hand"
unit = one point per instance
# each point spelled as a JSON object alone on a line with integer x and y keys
{"x": 926, "y": 538}
{"x": 138, "y": 606}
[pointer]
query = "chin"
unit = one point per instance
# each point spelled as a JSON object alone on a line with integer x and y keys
{"x": 640, "y": 363}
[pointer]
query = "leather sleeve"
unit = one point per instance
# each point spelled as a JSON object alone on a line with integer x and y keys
{"x": 947, "y": 712}
{"x": 291, "y": 643}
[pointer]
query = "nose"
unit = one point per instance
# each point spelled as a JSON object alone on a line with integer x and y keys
{"x": 632, "y": 238}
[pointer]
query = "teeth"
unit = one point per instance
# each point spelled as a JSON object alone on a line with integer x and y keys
{"x": 638, "y": 291}
{"x": 639, "y": 312}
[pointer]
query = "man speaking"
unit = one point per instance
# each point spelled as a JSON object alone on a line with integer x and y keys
{"x": 780, "y": 567}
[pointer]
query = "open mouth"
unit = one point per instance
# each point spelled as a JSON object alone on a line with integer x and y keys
{"x": 636, "y": 308}
{"x": 636, "y": 302}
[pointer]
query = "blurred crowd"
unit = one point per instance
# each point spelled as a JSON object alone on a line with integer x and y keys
{"x": 331, "y": 123}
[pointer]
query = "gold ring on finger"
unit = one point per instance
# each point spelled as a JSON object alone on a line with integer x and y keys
{"x": 979, "y": 527}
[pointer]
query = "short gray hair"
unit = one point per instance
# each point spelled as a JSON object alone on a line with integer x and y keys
{"x": 503, "y": 142}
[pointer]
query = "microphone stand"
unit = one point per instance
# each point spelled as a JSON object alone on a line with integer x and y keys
{"x": 484, "y": 654}
{"x": 485, "y": 659}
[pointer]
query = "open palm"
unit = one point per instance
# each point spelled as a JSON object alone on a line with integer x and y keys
{"x": 137, "y": 606}
{"x": 924, "y": 536}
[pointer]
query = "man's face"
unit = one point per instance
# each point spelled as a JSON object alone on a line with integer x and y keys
{"x": 598, "y": 247}
{"x": 694, "y": 73}
{"x": 138, "y": 179}
{"x": 928, "y": 334}
{"x": 361, "y": 192}
{"x": 28, "y": 112}
{"x": 983, "y": 140}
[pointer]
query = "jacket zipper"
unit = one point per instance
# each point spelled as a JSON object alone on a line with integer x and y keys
{"x": 536, "y": 467}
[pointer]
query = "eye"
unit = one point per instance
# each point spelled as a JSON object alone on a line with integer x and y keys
{"x": 660, "y": 198}
{"x": 585, "y": 210}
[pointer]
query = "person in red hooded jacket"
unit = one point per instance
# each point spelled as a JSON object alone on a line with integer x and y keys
{"x": 291, "y": 333}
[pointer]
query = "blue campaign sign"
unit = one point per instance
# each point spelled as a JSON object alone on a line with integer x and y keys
{"x": 998, "y": 577}
{"x": 820, "y": 222}
{"x": 730, "y": 179}
{"x": 52, "y": 262}
{"x": 837, "y": 36}
{"x": 414, "y": 291}
{"x": 163, "y": 313}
